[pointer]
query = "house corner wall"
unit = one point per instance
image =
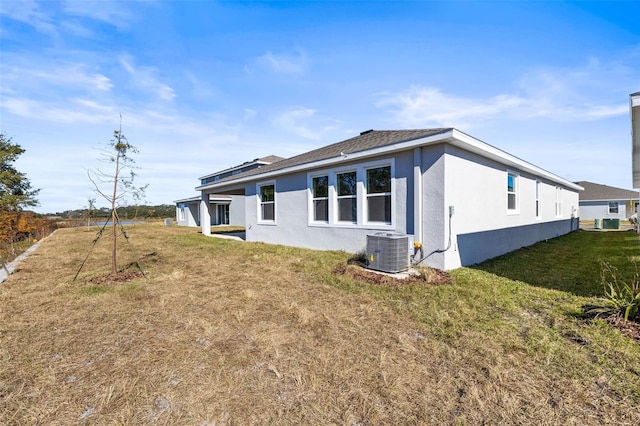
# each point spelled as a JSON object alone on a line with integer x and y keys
{"x": 433, "y": 215}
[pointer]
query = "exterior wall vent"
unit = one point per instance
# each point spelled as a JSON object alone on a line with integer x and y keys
{"x": 388, "y": 252}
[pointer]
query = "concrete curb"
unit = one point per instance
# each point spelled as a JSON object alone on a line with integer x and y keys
{"x": 4, "y": 273}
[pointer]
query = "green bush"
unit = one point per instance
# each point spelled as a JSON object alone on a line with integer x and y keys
{"x": 621, "y": 298}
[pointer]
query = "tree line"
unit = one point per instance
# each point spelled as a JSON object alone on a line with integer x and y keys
{"x": 159, "y": 211}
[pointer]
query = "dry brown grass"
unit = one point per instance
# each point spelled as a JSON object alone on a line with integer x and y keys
{"x": 230, "y": 333}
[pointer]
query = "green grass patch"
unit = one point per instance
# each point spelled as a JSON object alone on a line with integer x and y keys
{"x": 571, "y": 263}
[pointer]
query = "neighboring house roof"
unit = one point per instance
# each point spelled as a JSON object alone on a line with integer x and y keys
{"x": 597, "y": 192}
{"x": 188, "y": 200}
{"x": 257, "y": 161}
{"x": 378, "y": 142}
{"x": 270, "y": 159}
{"x": 212, "y": 197}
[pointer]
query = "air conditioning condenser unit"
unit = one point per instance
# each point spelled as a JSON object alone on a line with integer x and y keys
{"x": 388, "y": 252}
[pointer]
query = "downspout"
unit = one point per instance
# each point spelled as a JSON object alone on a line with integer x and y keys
{"x": 417, "y": 197}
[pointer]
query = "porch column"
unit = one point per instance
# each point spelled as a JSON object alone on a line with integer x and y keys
{"x": 205, "y": 215}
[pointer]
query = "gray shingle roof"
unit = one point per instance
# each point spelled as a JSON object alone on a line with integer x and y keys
{"x": 595, "y": 191}
{"x": 271, "y": 159}
{"x": 365, "y": 141}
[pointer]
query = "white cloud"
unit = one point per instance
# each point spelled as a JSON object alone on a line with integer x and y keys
{"x": 284, "y": 64}
{"x": 57, "y": 18}
{"x": 67, "y": 111}
{"x": 29, "y": 12}
{"x": 72, "y": 76}
{"x": 428, "y": 106}
{"x": 295, "y": 121}
{"x": 144, "y": 77}
{"x": 305, "y": 123}
{"x": 249, "y": 114}
{"x": 112, "y": 12}
{"x": 591, "y": 92}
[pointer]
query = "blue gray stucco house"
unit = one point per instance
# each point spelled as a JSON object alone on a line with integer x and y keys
{"x": 462, "y": 200}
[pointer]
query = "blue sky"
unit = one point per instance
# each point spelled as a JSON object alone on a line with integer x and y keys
{"x": 206, "y": 85}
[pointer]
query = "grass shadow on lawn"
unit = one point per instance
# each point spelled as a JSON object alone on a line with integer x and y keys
{"x": 570, "y": 263}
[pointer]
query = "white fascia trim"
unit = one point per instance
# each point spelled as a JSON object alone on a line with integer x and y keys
{"x": 611, "y": 200}
{"x": 464, "y": 141}
{"x": 635, "y": 100}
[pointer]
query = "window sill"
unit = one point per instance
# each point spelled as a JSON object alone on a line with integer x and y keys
{"x": 376, "y": 226}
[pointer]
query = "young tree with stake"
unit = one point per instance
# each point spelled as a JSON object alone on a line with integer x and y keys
{"x": 120, "y": 183}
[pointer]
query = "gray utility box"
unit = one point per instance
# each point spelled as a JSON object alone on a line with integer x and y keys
{"x": 388, "y": 252}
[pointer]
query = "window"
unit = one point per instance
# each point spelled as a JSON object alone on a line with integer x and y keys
{"x": 512, "y": 191}
{"x": 353, "y": 196}
{"x": 181, "y": 215}
{"x": 379, "y": 194}
{"x": 558, "y": 201}
{"x": 320, "y": 196}
{"x": 538, "y": 187}
{"x": 347, "y": 184}
{"x": 613, "y": 208}
{"x": 267, "y": 194}
{"x": 223, "y": 214}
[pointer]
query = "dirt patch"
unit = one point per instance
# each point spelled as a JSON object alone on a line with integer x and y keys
{"x": 425, "y": 276}
{"x": 628, "y": 328}
{"x": 117, "y": 278}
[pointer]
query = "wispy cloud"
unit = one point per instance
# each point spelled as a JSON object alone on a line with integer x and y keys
{"x": 304, "y": 122}
{"x": 555, "y": 94}
{"x": 30, "y": 13}
{"x": 71, "y": 16}
{"x": 295, "y": 121}
{"x": 144, "y": 77}
{"x": 429, "y": 106}
{"x": 67, "y": 111}
{"x": 284, "y": 64}
{"x": 71, "y": 76}
{"x": 114, "y": 13}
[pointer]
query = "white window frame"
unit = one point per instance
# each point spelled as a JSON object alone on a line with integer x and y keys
{"x": 558, "y": 203}
{"x": 355, "y": 197}
{"x": 538, "y": 204}
{"x": 361, "y": 196}
{"x": 515, "y": 193}
{"x": 259, "y": 203}
{"x": 368, "y": 196}
{"x": 617, "y": 206}
{"x": 312, "y": 199}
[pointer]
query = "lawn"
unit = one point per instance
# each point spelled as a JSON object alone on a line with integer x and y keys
{"x": 226, "y": 332}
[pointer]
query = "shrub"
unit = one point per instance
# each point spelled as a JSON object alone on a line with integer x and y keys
{"x": 360, "y": 257}
{"x": 621, "y": 298}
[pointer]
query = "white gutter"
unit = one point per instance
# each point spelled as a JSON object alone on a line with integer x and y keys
{"x": 634, "y": 110}
{"x": 453, "y": 136}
